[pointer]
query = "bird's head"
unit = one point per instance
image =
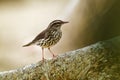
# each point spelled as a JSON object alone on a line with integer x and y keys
{"x": 56, "y": 24}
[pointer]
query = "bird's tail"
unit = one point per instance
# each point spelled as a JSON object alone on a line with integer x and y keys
{"x": 28, "y": 44}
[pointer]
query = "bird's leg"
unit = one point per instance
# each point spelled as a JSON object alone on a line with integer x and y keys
{"x": 52, "y": 53}
{"x": 43, "y": 54}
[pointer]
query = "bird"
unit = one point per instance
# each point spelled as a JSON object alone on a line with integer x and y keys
{"x": 48, "y": 37}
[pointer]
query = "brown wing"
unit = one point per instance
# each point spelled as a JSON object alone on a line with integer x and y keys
{"x": 38, "y": 37}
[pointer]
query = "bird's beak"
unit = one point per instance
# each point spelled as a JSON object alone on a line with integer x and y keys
{"x": 65, "y": 22}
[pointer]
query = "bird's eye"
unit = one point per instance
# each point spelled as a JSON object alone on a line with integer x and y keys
{"x": 58, "y": 24}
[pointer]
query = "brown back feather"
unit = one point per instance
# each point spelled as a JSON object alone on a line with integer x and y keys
{"x": 38, "y": 37}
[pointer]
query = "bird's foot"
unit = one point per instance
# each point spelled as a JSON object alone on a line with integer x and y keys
{"x": 43, "y": 59}
{"x": 54, "y": 56}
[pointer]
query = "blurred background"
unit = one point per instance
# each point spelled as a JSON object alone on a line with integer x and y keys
{"x": 90, "y": 21}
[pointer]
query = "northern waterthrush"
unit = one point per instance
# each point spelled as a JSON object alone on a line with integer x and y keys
{"x": 48, "y": 37}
